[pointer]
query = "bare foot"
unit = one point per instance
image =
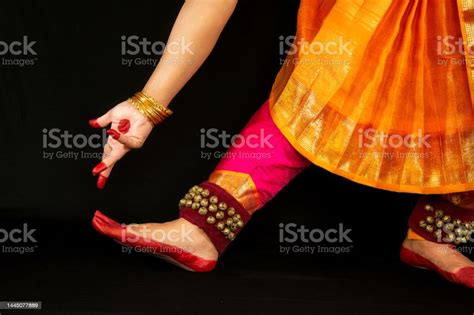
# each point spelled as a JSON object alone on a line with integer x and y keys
{"x": 179, "y": 233}
{"x": 442, "y": 258}
{"x": 445, "y": 256}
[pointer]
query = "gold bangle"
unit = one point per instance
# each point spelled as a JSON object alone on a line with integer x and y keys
{"x": 143, "y": 110}
{"x": 150, "y": 108}
{"x": 159, "y": 106}
{"x": 155, "y": 108}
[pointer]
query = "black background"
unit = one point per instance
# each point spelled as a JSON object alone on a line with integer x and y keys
{"x": 77, "y": 76}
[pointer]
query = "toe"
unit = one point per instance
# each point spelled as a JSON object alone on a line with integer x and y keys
{"x": 105, "y": 218}
{"x": 107, "y": 226}
{"x": 465, "y": 276}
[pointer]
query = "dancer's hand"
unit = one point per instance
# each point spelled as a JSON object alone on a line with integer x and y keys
{"x": 194, "y": 34}
{"x": 128, "y": 131}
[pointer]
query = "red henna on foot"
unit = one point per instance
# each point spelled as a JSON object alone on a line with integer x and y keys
{"x": 173, "y": 254}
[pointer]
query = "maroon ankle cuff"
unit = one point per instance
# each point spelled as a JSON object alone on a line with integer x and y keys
{"x": 215, "y": 211}
{"x": 440, "y": 221}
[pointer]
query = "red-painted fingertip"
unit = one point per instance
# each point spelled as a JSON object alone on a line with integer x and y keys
{"x": 101, "y": 181}
{"x": 99, "y": 168}
{"x": 94, "y": 124}
{"x": 113, "y": 133}
{"x": 124, "y": 125}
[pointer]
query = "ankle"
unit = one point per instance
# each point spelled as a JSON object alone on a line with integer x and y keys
{"x": 199, "y": 241}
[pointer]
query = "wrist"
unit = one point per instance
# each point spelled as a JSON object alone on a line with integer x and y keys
{"x": 158, "y": 96}
{"x": 149, "y": 107}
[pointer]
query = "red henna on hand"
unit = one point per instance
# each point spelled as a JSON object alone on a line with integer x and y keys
{"x": 99, "y": 168}
{"x": 94, "y": 124}
{"x": 101, "y": 181}
{"x": 124, "y": 125}
{"x": 113, "y": 133}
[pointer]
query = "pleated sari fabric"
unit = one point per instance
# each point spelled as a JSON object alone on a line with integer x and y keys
{"x": 380, "y": 92}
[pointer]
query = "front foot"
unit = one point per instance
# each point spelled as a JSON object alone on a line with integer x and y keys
{"x": 442, "y": 258}
{"x": 178, "y": 242}
{"x": 179, "y": 233}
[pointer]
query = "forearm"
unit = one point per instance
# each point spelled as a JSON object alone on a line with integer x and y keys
{"x": 192, "y": 38}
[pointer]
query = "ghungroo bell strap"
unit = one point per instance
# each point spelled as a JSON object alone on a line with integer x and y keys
{"x": 214, "y": 210}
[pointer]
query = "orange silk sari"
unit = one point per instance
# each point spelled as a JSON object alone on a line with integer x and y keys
{"x": 380, "y": 92}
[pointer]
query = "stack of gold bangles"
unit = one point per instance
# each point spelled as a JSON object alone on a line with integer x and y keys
{"x": 150, "y": 108}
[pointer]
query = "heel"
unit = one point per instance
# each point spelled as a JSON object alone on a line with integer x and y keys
{"x": 413, "y": 259}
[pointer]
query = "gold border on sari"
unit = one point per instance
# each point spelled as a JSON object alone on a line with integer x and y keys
{"x": 240, "y": 186}
{"x": 466, "y": 17}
